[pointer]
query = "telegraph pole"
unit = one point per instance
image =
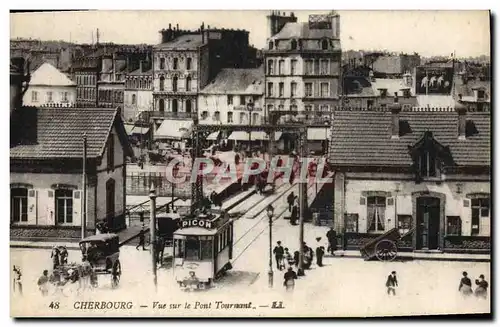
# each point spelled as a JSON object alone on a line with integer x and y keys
{"x": 84, "y": 187}
{"x": 152, "y": 231}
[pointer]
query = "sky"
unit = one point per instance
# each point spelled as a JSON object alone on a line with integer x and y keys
{"x": 467, "y": 33}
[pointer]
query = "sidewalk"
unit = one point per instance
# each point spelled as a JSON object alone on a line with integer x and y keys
{"x": 402, "y": 256}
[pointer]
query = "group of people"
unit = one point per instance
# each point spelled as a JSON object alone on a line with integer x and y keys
{"x": 465, "y": 287}
{"x": 59, "y": 256}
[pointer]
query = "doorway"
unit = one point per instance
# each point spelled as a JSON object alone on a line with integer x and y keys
{"x": 428, "y": 219}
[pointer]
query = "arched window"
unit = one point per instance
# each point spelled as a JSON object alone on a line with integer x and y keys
{"x": 140, "y": 83}
{"x": 188, "y": 84}
{"x": 271, "y": 44}
{"x": 175, "y": 105}
{"x": 188, "y": 63}
{"x": 188, "y": 106}
{"x": 18, "y": 205}
{"x": 324, "y": 45}
{"x": 293, "y": 45}
{"x": 162, "y": 83}
{"x": 176, "y": 63}
{"x": 133, "y": 99}
{"x": 174, "y": 84}
{"x": 161, "y": 105}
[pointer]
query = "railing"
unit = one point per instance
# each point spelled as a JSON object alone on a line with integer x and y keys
{"x": 147, "y": 115}
{"x": 140, "y": 184}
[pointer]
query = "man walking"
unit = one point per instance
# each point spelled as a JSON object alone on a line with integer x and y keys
{"x": 142, "y": 239}
{"x": 279, "y": 253}
{"x": 320, "y": 252}
{"x": 43, "y": 282}
{"x": 290, "y": 277}
{"x": 295, "y": 213}
{"x": 17, "y": 280}
{"x": 391, "y": 283}
{"x": 289, "y": 200}
{"x": 331, "y": 235}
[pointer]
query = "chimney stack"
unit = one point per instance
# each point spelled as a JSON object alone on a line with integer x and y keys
{"x": 461, "y": 109}
{"x": 395, "y": 110}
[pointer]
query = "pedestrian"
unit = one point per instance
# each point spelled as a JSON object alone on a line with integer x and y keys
{"x": 278, "y": 253}
{"x": 391, "y": 283}
{"x": 43, "y": 283}
{"x": 63, "y": 254}
{"x": 290, "y": 277}
{"x": 17, "y": 280}
{"x": 320, "y": 252}
{"x": 290, "y": 198}
{"x": 482, "y": 288}
{"x": 288, "y": 258}
{"x": 55, "y": 257}
{"x": 295, "y": 214}
{"x": 308, "y": 256}
{"x": 296, "y": 258}
{"x": 465, "y": 286}
{"x": 142, "y": 239}
{"x": 331, "y": 235}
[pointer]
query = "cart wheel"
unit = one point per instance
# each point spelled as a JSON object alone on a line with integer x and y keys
{"x": 386, "y": 250}
{"x": 116, "y": 274}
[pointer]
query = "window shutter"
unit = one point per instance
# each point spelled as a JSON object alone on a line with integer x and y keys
{"x": 77, "y": 208}
{"x": 51, "y": 211}
{"x": 362, "y": 201}
{"x": 32, "y": 209}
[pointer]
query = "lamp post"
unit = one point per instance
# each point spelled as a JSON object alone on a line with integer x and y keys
{"x": 250, "y": 107}
{"x": 152, "y": 231}
{"x": 175, "y": 170}
{"x": 270, "y": 214}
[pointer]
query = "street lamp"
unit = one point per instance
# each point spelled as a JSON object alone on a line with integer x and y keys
{"x": 270, "y": 214}
{"x": 250, "y": 107}
{"x": 175, "y": 170}
{"x": 152, "y": 230}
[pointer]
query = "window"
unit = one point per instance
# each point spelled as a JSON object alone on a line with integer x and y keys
{"x": 308, "y": 89}
{"x": 188, "y": 106}
{"x": 162, "y": 63}
{"x": 34, "y": 96}
{"x": 176, "y": 64}
{"x": 293, "y": 89}
{"x": 323, "y": 68}
{"x": 281, "y": 67}
{"x": 324, "y": 45}
{"x": 217, "y": 116}
{"x": 293, "y": 45}
{"x": 270, "y": 67}
{"x": 309, "y": 67}
{"x": 480, "y": 94}
{"x": 270, "y": 89}
{"x": 324, "y": 90}
{"x": 64, "y": 206}
{"x": 133, "y": 99}
{"x": 174, "y": 84}
{"x": 293, "y": 67}
{"x": 383, "y": 93}
{"x": 243, "y": 118}
{"x": 480, "y": 217}
{"x": 293, "y": 107}
{"x": 369, "y": 104}
{"x": 308, "y": 107}
{"x": 242, "y": 100}
{"x": 206, "y": 248}
{"x": 49, "y": 96}
{"x": 281, "y": 107}
{"x": 453, "y": 225}
{"x": 204, "y": 115}
{"x": 406, "y": 93}
{"x": 428, "y": 165}
{"x": 229, "y": 100}
{"x": 281, "y": 89}
{"x": 18, "y": 205}
{"x": 255, "y": 118}
{"x": 64, "y": 96}
{"x": 316, "y": 67}
{"x": 325, "y": 108}
{"x": 229, "y": 117}
{"x": 188, "y": 63}
{"x": 376, "y": 213}
{"x": 175, "y": 105}
{"x": 110, "y": 198}
{"x": 192, "y": 248}
{"x": 188, "y": 84}
{"x": 271, "y": 45}
{"x": 162, "y": 83}
{"x": 161, "y": 105}
{"x": 111, "y": 153}
{"x": 351, "y": 223}
{"x": 404, "y": 224}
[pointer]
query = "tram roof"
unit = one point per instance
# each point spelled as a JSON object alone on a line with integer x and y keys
{"x": 195, "y": 231}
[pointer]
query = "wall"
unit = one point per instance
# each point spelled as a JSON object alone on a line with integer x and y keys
{"x": 57, "y": 95}
{"x": 204, "y": 67}
{"x": 144, "y": 102}
{"x": 219, "y": 102}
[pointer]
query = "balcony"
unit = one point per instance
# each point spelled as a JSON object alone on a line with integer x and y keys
{"x": 147, "y": 115}
{"x": 245, "y": 108}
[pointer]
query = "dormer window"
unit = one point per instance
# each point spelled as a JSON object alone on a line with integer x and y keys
{"x": 406, "y": 93}
{"x": 480, "y": 94}
{"x": 271, "y": 45}
{"x": 383, "y": 93}
{"x": 428, "y": 165}
{"x": 293, "y": 45}
{"x": 324, "y": 45}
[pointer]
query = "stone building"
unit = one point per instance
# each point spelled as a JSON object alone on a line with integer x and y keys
{"x": 138, "y": 96}
{"x": 426, "y": 173}
{"x": 86, "y": 70}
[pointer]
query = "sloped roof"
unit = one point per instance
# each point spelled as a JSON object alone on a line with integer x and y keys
{"x": 189, "y": 41}
{"x": 364, "y": 138}
{"x": 49, "y": 75}
{"x": 237, "y": 81}
{"x": 57, "y": 133}
{"x": 301, "y": 31}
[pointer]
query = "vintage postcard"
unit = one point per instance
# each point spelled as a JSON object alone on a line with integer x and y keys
{"x": 250, "y": 163}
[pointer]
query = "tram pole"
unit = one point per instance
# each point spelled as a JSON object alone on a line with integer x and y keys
{"x": 152, "y": 230}
{"x": 84, "y": 187}
{"x": 270, "y": 213}
{"x": 302, "y": 209}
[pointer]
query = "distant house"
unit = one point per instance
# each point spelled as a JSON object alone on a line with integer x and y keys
{"x": 49, "y": 87}
{"x": 46, "y": 158}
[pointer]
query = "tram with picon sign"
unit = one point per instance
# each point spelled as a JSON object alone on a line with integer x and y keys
{"x": 203, "y": 248}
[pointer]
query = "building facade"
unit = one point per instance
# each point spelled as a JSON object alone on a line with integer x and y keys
{"x": 424, "y": 173}
{"x": 50, "y": 87}
{"x": 86, "y": 74}
{"x": 138, "y": 94}
{"x": 46, "y": 171}
{"x": 302, "y": 65}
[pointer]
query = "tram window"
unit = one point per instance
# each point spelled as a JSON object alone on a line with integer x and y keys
{"x": 192, "y": 248}
{"x": 206, "y": 249}
{"x": 220, "y": 242}
{"x": 179, "y": 249}
{"x": 225, "y": 240}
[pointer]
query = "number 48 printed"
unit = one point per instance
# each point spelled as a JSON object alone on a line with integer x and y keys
{"x": 54, "y": 305}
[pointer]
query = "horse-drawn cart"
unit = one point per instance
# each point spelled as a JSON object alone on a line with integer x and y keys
{"x": 383, "y": 247}
{"x": 102, "y": 253}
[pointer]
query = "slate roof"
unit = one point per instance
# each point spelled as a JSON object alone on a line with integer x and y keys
{"x": 56, "y": 133}
{"x": 189, "y": 41}
{"x": 301, "y": 31}
{"x": 237, "y": 81}
{"x": 364, "y": 138}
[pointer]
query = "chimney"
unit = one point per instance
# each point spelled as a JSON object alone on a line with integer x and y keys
{"x": 461, "y": 109}
{"x": 395, "y": 110}
{"x": 202, "y": 30}
{"x": 141, "y": 66}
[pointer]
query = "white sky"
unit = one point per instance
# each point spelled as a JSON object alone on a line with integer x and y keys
{"x": 425, "y": 32}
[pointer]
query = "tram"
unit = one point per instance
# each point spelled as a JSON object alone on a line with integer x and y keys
{"x": 203, "y": 248}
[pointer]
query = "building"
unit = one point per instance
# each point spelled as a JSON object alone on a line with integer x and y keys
{"x": 391, "y": 65}
{"x": 473, "y": 92}
{"x": 46, "y": 171}
{"x": 302, "y": 62}
{"x": 86, "y": 71}
{"x": 19, "y": 82}
{"x": 138, "y": 95}
{"x": 111, "y": 82}
{"x": 49, "y": 87}
{"x": 426, "y": 173}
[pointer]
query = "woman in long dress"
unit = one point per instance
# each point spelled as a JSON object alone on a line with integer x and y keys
{"x": 465, "y": 287}
{"x": 482, "y": 288}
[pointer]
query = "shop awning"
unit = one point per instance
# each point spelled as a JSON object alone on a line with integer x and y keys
{"x": 129, "y": 128}
{"x": 318, "y": 133}
{"x": 243, "y": 136}
{"x": 277, "y": 135}
{"x": 174, "y": 129}
{"x": 140, "y": 130}
{"x": 213, "y": 136}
